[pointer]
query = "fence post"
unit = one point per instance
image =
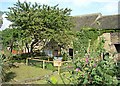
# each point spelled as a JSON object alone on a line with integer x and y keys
{"x": 43, "y": 64}
{"x": 26, "y": 61}
{"x": 58, "y": 70}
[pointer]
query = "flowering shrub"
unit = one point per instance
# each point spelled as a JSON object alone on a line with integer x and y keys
{"x": 89, "y": 68}
{"x": 94, "y": 72}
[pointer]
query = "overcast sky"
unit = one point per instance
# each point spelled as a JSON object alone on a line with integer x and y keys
{"x": 78, "y": 7}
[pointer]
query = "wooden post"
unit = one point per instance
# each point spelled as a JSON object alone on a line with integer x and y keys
{"x": 48, "y": 59}
{"x": 26, "y": 61}
{"x": 58, "y": 64}
{"x": 58, "y": 70}
{"x": 43, "y": 64}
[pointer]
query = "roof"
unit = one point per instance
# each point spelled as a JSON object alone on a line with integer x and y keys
{"x": 97, "y": 21}
{"x": 84, "y": 21}
{"x": 108, "y": 22}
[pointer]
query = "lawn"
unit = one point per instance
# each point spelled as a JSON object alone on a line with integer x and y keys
{"x": 24, "y": 72}
{"x": 57, "y": 78}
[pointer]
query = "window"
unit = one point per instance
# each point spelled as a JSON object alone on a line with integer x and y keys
{"x": 70, "y": 51}
{"x": 117, "y": 46}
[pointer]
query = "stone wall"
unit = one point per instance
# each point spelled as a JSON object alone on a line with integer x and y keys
{"x": 107, "y": 41}
{"x": 112, "y": 39}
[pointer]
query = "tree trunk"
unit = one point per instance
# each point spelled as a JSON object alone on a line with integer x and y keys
{"x": 11, "y": 48}
{"x": 32, "y": 45}
{"x": 26, "y": 44}
{"x": 60, "y": 50}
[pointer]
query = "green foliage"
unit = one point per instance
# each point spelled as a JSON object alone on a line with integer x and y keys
{"x": 53, "y": 80}
{"x": 65, "y": 57}
{"x": 85, "y": 39}
{"x": 10, "y": 37}
{"x": 1, "y": 21}
{"x": 1, "y": 13}
{"x": 92, "y": 71}
{"x": 2, "y": 69}
{"x": 101, "y": 72}
{"x": 41, "y": 22}
{"x": 118, "y": 70}
{"x": 49, "y": 66}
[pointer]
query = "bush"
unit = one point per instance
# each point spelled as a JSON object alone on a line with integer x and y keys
{"x": 88, "y": 69}
{"x": 51, "y": 67}
{"x": 91, "y": 72}
{"x": 2, "y": 69}
{"x": 65, "y": 57}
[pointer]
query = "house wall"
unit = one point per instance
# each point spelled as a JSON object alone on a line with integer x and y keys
{"x": 52, "y": 51}
{"x": 109, "y": 45}
{"x": 115, "y": 37}
{"x": 107, "y": 41}
{"x": 111, "y": 40}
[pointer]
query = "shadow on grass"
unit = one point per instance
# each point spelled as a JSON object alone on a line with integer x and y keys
{"x": 10, "y": 76}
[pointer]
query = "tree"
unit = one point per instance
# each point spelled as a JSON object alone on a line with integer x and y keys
{"x": 10, "y": 37}
{"x": 2, "y": 69}
{"x": 1, "y": 20}
{"x": 40, "y": 23}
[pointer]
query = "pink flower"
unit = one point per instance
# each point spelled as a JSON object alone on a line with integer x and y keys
{"x": 87, "y": 60}
{"x": 94, "y": 65}
{"x": 77, "y": 69}
{"x": 69, "y": 66}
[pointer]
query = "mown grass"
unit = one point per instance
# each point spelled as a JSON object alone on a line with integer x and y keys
{"x": 26, "y": 72}
{"x": 60, "y": 79}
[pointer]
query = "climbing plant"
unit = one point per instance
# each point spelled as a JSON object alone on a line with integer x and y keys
{"x": 86, "y": 37}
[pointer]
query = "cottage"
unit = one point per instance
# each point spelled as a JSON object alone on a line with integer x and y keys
{"x": 98, "y": 21}
{"x": 109, "y": 22}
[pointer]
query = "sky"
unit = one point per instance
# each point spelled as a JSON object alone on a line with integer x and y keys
{"x": 78, "y": 7}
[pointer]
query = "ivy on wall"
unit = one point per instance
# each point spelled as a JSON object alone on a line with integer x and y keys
{"x": 86, "y": 37}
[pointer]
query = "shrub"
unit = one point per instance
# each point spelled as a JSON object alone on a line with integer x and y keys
{"x": 49, "y": 66}
{"x": 65, "y": 57}
{"x": 2, "y": 69}
{"x": 88, "y": 69}
{"x": 93, "y": 72}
